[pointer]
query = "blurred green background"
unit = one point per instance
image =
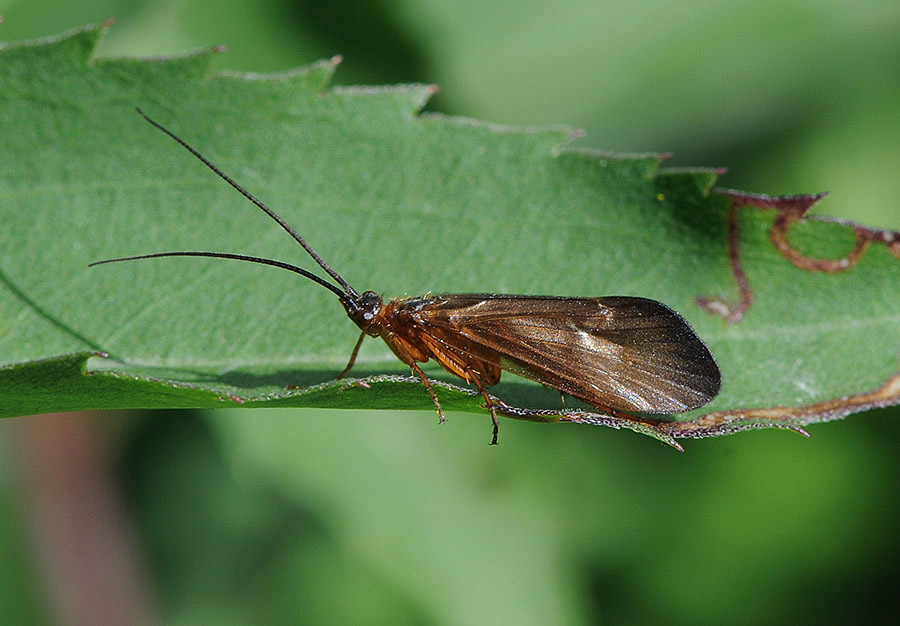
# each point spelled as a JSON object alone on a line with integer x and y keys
{"x": 294, "y": 516}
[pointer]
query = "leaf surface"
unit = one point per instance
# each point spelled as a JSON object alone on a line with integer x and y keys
{"x": 399, "y": 202}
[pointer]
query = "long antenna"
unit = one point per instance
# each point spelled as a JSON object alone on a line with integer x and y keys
{"x": 348, "y": 290}
{"x": 237, "y": 257}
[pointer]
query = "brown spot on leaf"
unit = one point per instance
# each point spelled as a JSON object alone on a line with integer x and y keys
{"x": 791, "y": 209}
{"x": 732, "y": 312}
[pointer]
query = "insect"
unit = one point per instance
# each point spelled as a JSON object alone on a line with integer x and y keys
{"x": 621, "y": 355}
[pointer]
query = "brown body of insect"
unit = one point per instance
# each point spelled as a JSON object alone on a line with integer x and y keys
{"x": 619, "y": 354}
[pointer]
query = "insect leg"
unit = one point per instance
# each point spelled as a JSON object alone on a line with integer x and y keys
{"x": 350, "y": 363}
{"x": 491, "y": 405}
{"x": 437, "y": 405}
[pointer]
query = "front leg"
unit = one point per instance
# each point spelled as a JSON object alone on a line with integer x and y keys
{"x": 352, "y": 360}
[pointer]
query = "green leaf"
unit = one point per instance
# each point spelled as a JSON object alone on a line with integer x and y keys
{"x": 398, "y": 202}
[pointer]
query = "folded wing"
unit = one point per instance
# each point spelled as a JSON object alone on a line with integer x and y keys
{"x": 625, "y": 353}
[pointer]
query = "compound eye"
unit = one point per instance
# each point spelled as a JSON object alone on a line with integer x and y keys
{"x": 364, "y": 311}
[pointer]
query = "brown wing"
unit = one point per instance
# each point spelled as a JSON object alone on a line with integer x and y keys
{"x": 624, "y": 353}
